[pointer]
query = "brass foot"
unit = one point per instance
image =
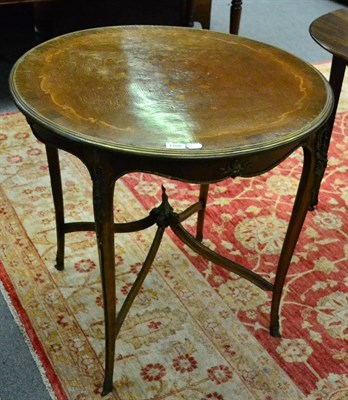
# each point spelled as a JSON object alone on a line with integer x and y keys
{"x": 199, "y": 237}
{"x": 107, "y": 386}
{"x": 60, "y": 257}
{"x": 312, "y": 205}
{"x": 59, "y": 267}
{"x": 274, "y": 330}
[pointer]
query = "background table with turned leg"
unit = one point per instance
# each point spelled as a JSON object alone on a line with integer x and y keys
{"x": 331, "y": 32}
{"x": 196, "y": 106}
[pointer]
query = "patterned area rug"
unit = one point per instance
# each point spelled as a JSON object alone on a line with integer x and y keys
{"x": 195, "y": 331}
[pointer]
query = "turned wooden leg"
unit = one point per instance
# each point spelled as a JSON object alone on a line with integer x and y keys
{"x": 57, "y": 192}
{"x": 236, "y": 12}
{"x": 302, "y": 201}
{"x": 338, "y": 68}
{"x": 103, "y": 189}
{"x": 203, "y": 195}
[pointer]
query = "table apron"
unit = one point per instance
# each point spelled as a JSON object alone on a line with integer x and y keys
{"x": 193, "y": 170}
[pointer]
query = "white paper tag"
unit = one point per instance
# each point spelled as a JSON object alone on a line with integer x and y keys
{"x": 179, "y": 146}
{"x": 175, "y": 145}
{"x": 194, "y": 146}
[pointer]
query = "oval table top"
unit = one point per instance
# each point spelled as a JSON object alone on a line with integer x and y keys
{"x": 331, "y": 32}
{"x": 169, "y": 91}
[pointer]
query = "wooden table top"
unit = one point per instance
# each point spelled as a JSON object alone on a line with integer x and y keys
{"x": 331, "y": 32}
{"x": 169, "y": 91}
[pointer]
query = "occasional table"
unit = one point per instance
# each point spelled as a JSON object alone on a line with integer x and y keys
{"x": 330, "y": 31}
{"x": 195, "y": 106}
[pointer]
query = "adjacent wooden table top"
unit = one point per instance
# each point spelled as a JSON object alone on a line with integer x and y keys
{"x": 142, "y": 89}
{"x": 331, "y": 32}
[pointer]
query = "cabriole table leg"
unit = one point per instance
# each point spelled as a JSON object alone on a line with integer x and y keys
{"x": 103, "y": 193}
{"x": 302, "y": 201}
{"x": 57, "y": 192}
{"x": 203, "y": 195}
{"x": 338, "y": 68}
